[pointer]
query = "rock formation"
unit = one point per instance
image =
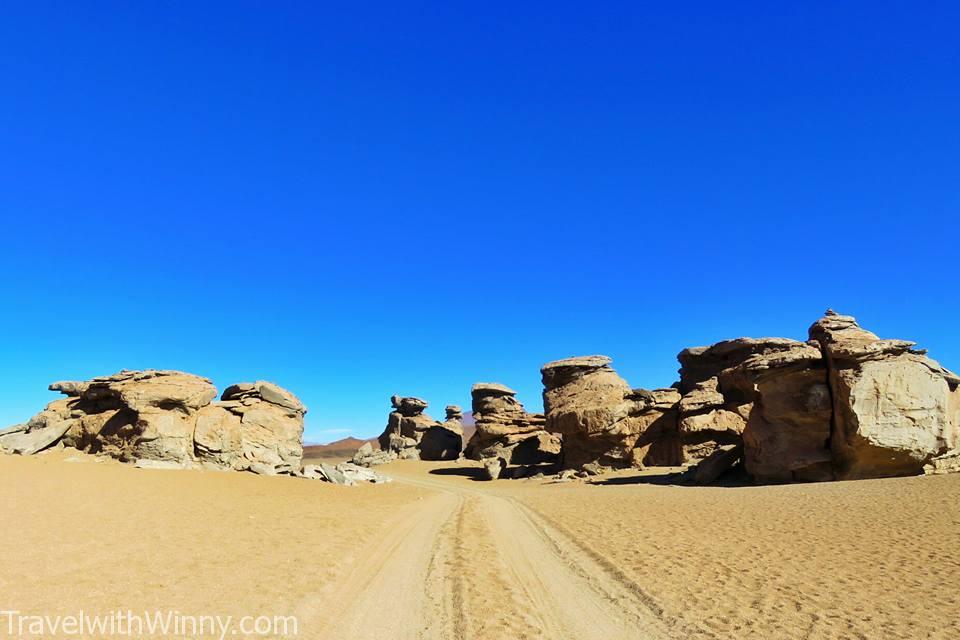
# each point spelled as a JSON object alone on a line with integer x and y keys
{"x": 844, "y": 405}
{"x": 603, "y": 421}
{"x": 505, "y": 433}
{"x": 894, "y": 409}
{"x": 444, "y": 441}
{"x": 412, "y": 434}
{"x": 168, "y": 418}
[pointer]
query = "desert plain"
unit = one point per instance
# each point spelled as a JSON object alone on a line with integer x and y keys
{"x": 438, "y": 554}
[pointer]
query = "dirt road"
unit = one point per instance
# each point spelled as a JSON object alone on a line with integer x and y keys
{"x": 467, "y": 562}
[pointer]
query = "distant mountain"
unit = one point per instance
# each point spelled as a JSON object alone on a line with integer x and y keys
{"x": 339, "y": 449}
{"x": 346, "y": 447}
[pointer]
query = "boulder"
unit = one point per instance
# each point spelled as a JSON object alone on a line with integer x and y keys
{"x": 505, "y": 431}
{"x": 442, "y": 442}
{"x": 26, "y": 441}
{"x": 602, "y": 420}
{"x": 787, "y": 436}
{"x": 270, "y": 430}
{"x": 717, "y": 463}
{"x": 367, "y": 456}
{"x": 494, "y": 468}
{"x": 893, "y": 407}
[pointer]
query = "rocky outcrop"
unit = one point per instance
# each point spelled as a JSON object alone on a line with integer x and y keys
{"x": 713, "y": 414}
{"x": 506, "y": 432}
{"x": 412, "y": 434}
{"x": 169, "y": 418}
{"x": 602, "y": 420}
{"x": 843, "y": 405}
{"x": 406, "y": 425}
{"x": 894, "y": 409}
{"x": 367, "y": 456}
{"x": 444, "y": 441}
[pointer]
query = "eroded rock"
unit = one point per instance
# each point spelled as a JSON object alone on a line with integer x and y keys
{"x": 505, "y": 431}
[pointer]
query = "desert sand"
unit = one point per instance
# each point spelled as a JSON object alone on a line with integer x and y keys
{"x": 436, "y": 554}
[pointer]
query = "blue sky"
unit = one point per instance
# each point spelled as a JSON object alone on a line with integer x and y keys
{"x": 355, "y": 201}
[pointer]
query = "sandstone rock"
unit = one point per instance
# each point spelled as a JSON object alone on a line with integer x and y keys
{"x": 367, "y": 456}
{"x": 788, "y": 432}
{"x": 167, "y": 417}
{"x": 601, "y": 419}
{"x": 494, "y": 468}
{"x": 717, "y": 396}
{"x": 406, "y": 426}
{"x": 713, "y": 466}
{"x": 218, "y": 436}
{"x": 355, "y": 473}
{"x": 334, "y": 475}
{"x": 26, "y": 441}
{"x": 892, "y": 405}
{"x": 505, "y": 431}
{"x": 699, "y": 364}
{"x": 442, "y": 442}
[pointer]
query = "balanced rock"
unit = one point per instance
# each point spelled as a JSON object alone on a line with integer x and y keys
{"x": 406, "y": 425}
{"x": 505, "y": 431}
{"x": 412, "y": 434}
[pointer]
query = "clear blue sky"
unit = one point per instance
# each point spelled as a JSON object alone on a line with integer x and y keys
{"x": 360, "y": 200}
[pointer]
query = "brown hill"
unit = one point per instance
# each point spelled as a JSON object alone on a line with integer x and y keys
{"x": 339, "y": 449}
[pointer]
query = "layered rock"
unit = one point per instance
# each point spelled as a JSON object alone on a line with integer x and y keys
{"x": 506, "y": 432}
{"x": 788, "y": 428}
{"x": 412, "y": 434}
{"x": 712, "y": 415}
{"x": 168, "y": 417}
{"x": 602, "y": 420}
{"x": 444, "y": 441}
{"x": 894, "y": 409}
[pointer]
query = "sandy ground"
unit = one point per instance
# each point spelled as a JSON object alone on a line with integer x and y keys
{"x": 437, "y": 554}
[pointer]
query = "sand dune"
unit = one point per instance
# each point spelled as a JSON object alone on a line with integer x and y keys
{"x": 438, "y": 555}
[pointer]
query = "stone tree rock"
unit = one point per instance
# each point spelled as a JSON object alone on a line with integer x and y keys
{"x": 894, "y": 409}
{"x": 506, "y": 432}
{"x": 168, "y": 418}
{"x": 602, "y": 420}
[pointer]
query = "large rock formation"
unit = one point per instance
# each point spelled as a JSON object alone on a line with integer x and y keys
{"x": 788, "y": 427}
{"x": 602, "y": 420}
{"x": 844, "y": 405}
{"x": 894, "y": 409}
{"x": 505, "y": 432}
{"x": 168, "y": 417}
{"x": 412, "y": 434}
{"x": 712, "y": 415}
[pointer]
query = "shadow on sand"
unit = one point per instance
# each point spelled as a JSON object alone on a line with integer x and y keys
{"x": 731, "y": 479}
{"x": 474, "y": 473}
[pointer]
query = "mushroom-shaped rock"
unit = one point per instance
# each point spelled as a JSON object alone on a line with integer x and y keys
{"x": 504, "y": 430}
